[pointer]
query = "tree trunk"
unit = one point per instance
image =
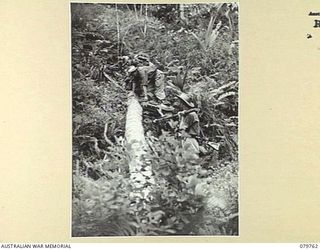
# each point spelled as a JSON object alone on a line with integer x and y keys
{"x": 181, "y": 10}
{"x": 140, "y": 171}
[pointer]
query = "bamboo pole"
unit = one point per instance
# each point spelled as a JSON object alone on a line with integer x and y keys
{"x": 118, "y": 31}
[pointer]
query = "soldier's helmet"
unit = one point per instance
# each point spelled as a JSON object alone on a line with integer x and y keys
{"x": 142, "y": 57}
{"x": 186, "y": 99}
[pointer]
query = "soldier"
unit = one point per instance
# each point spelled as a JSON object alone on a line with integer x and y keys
{"x": 147, "y": 80}
{"x": 189, "y": 127}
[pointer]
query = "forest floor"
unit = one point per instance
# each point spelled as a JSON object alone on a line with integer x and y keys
{"x": 189, "y": 197}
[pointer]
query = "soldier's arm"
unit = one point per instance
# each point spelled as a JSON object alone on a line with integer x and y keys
{"x": 144, "y": 82}
{"x": 145, "y": 92}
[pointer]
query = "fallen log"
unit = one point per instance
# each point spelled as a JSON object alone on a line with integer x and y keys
{"x": 140, "y": 171}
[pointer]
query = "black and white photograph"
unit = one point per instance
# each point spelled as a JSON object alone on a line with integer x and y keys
{"x": 155, "y": 119}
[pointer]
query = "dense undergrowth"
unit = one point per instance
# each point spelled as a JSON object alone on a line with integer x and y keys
{"x": 188, "y": 197}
